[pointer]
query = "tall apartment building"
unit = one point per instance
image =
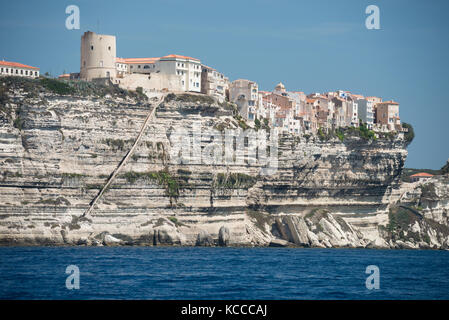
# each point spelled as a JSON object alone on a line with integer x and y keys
{"x": 245, "y": 94}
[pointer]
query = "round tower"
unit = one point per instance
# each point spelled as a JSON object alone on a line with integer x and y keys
{"x": 98, "y": 53}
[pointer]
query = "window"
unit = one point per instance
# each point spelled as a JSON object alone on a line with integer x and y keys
{"x": 26, "y": 72}
{"x": 91, "y": 47}
{"x": 2, "y": 70}
{"x": 35, "y": 73}
{"x": 138, "y": 67}
{"x": 21, "y": 71}
{"x": 109, "y": 48}
{"x": 146, "y": 66}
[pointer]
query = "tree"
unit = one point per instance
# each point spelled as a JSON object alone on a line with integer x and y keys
{"x": 410, "y": 134}
{"x": 445, "y": 168}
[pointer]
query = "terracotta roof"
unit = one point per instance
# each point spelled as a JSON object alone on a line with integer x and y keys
{"x": 64, "y": 75}
{"x": 16, "y": 65}
{"x": 207, "y": 67}
{"x": 308, "y": 100}
{"x": 177, "y": 56}
{"x": 422, "y": 174}
{"x": 136, "y": 60}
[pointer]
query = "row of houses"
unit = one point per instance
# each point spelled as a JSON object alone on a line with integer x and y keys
{"x": 290, "y": 111}
{"x": 295, "y": 112}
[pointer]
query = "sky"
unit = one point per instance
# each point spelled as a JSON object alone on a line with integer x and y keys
{"x": 310, "y": 46}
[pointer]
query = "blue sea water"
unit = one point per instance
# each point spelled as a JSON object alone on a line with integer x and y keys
{"x": 221, "y": 273}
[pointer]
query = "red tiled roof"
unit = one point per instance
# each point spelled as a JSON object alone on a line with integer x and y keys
{"x": 422, "y": 174}
{"x": 136, "y": 60}
{"x": 16, "y": 65}
{"x": 177, "y": 56}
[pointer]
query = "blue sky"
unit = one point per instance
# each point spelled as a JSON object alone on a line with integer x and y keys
{"x": 311, "y": 46}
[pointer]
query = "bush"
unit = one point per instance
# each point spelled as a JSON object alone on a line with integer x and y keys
{"x": 186, "y": 97}
{"x": 163, "y": 178}
{"x": 366, "y": 133}
{"x": 321, "y": 134}
{"x": 445, "y": 168}
{"x": 257, "y": 124}
{"x": 57, "y": 86}
{"x": 234, "y": 181}
{"x": 410, "y": 135}
{"x": 340, "y": 134}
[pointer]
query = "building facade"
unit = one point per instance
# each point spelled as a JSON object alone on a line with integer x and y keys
{"x": 187, "y": 68}
{"x": 387, "y": 114}
{"x": 16, "y": 69}
{"x": 214, "y": 83}
{"x": 98, "y": 56}
{"x": 366, "y": 112}
{"x": 245, "y": 94}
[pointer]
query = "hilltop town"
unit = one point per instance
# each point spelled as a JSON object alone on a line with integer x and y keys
{"x": 130, "y": 151}
{"x": 289, "y": 111}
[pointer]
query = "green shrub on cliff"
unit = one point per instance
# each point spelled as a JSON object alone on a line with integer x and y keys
{"x": 445, "y": 168}
{"x": 366, "y": 133}
{"x": 410, "y": 134}
{"x": 340, "y": 134}
{"x": 162, "y": 178}
{"x": 321, "y": 134}
{"x": 234, "y": 181}
{"x": 56, "y": 86}
{"x": 187, "y": 97}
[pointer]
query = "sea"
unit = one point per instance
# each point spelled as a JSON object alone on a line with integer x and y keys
{"x": 221, "y": 273}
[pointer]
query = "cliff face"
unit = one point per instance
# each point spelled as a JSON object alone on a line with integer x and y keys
{"x": 58, "y": 150}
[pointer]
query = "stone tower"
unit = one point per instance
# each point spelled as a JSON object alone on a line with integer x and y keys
{"x": 98, "y": 52}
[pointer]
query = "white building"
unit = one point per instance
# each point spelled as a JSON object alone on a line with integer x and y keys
{"x": 366, "y": 112}
{"x": 8, "y": 68}
{"x": 352, "y": 114}
{"x": 187, "y": 68}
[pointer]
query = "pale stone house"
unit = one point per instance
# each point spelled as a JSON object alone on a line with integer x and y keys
{"x": 387, "y": 113}
{"x": 214, "y": 83}
{"x": 245, "y": 94}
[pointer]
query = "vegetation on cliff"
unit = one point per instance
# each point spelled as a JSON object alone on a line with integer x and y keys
{"x": 410, "y": 134}
{"x": 163, "y": 178}
{"x": 34, "y": 87}
{"x": 233, "y": 181}
{"x": 445, "y": 168}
